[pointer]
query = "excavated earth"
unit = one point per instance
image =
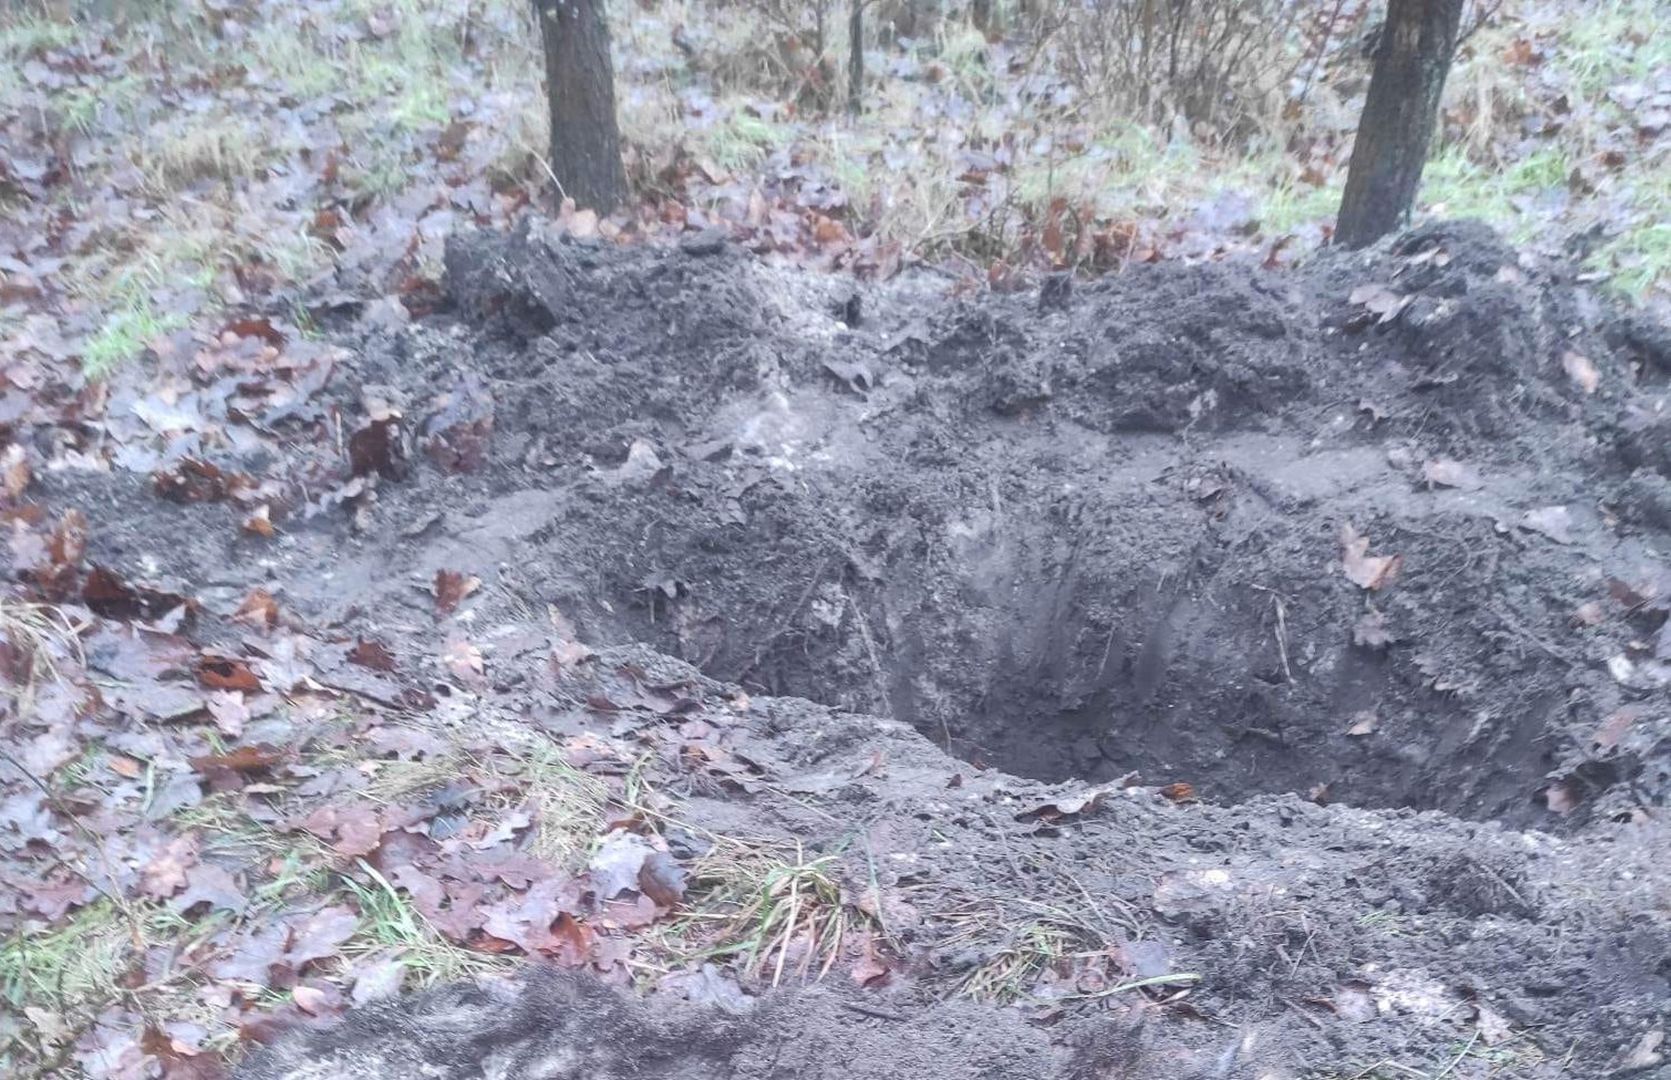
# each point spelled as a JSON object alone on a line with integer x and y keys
{"x": 1374, "y": 555}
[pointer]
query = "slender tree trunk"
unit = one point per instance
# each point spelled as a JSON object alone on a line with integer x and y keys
{"x": 980, "y": 14}
{"x": 1399, "y": 115}
{"x": 856, "y": 57}
{"x": 580, "y": 87}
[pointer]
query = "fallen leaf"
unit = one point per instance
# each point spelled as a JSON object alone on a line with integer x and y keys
{"x": 1379, "y": 300}
{"x": 1581, "y": 371}
{"x": 1561, "y": 798}
{"x": 1146, "y": 959}
{"x": 164, "y": 873}
{"x": 310, "y": 999}
{"x": 227, "y": 673}
{"x": 1065, "y": 806}
{"x": 1554, "y": 522}
{"x": 1363, "y": 569}
{"x": 69, "y": 540}
{"x": 109, "y": 595}
{"x": 504, "y": 829}
{"x": 229, "y": 710}
{"x": 1364, "y": 723}
{"x": 662, "y": 879}
{"x": 259, "y": 609}
{"x": 377, "y": 981}
{"x": 451, "y": 587}
{"x": 616, "y": 865}
{"x": 251, "y": 957}
{"x": 285, "y": 665}
{"x": 320, "y": 935}
{"x": 1354, "y": 1002}
{"x": 352, "y": 829}
{"x": 14, "y": 471}
{"x": 458, "y": 430}
{"x": 260, "y": 522}
{"x": 1180, "y": 792}
{"x": 869, "y": 970}
{"x": 212, "y": 885}
{"x": 1446, "y": 472}
{"x": 1590, "y": 613}
{"x": 377, "y": 448}
{"x": 371, "y": 654}
{"x": 243, "y": 759}
{"x": 707, "y": 986}
{"x": 572, "y": 941}
{"x": 1370, "y": 631}
{"x": 530, "y": 920}
{"x": 465, "y": 662}
{"x": 1615, "y": 727}
{"x": 566, "y": 654}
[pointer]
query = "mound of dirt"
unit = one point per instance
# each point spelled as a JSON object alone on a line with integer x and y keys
{"x": 1388, "y": 531}
{"x": 1277, "y": 938}
{"x": 1147, "y": 530}
{"x": 549, "y": 1025}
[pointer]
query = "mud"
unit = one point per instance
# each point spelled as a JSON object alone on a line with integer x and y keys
{"x": 551, "y": 1025}
{"x": 1302, "y": 941}
{"x": 1387, "y": 533}
{"x": 1090, "y": 536}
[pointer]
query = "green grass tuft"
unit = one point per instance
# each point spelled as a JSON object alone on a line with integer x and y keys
{"x": 123, "y": 337}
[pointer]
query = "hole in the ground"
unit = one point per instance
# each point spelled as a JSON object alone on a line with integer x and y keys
{"x": 1174, "y": 681}
{"x": 1206, "y": 526}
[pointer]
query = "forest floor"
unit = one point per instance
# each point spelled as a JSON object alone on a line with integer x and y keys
{"x": 1244, "y": 657}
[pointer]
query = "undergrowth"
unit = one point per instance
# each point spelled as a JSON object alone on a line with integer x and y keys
{"x": 1053, "y": 140}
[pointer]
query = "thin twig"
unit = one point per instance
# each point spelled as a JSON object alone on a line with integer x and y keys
{"x": 871, "y": 1010}
{"x": 876, "y": 665}
{"x": 92, "y": 837}
{"x": 1466, "y": 1050}
{"x": 1484, "y": 17}
{"x": 1177, "y": 978}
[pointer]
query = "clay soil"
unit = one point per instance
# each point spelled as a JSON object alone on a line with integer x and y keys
{"x": 1303, "y": 630}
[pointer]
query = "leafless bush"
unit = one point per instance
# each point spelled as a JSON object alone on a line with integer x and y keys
{"x": 799, "y": 59}
{"x": 1221, "y": 64}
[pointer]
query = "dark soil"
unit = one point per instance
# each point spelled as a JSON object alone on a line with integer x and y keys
{"x": 558, "y": 1027}
{"x": 1327, "y": 938}
{"x": 1103, "y": 533}
{"x": 1098, "y": 539}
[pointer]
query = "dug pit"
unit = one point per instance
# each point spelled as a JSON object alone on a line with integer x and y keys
{"x": 1364, "y": 530}
{"x": 1318, "y": 531}
{"x": 1386, "y": 529}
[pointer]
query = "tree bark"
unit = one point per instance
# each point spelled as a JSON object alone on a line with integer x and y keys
{"x": 580, "y": 88}
{"x": 856, "y": 57}
{"x": 1399, "y": 115}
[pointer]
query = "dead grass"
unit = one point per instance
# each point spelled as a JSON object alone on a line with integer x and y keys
{"x": 778, "y": 911}
{"x": 226, "y": 148}
{"x": 40, "y": 633}
{"x": 1025, "y": 944}
{"x": 392, "y": 929}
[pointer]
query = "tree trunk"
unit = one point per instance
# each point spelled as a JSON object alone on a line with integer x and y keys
{"x": 980, "y": 14}
{"x": 1399, "y": 114}
{"x": 580, "y": 87}
{"x": 856, "y": 57}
